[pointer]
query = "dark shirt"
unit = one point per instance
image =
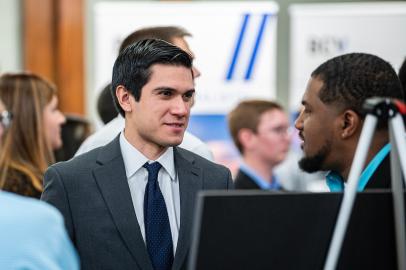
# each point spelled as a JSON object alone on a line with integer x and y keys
{"x": 376, "y": 175}
{"x": 248, "y": 179}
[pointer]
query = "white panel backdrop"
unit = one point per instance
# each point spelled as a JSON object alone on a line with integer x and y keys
{"x": 215, "y": 27}
{"x": 321, "y": 31}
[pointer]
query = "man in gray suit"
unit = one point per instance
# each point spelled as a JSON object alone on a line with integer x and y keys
{"x": 129, "y": 204}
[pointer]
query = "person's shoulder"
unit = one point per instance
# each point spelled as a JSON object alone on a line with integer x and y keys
{"x": 190, "y": 140}
{"x": 244, "y": 181}
{"x": 216, "y": 176}
{"x": 38, "y": 229}
{"x": 199, "y": 160}
{"x": 82, "y": 160}
{"x": 103, "y": 136}
{"x": 20, "y": 207}
{"x": 195, "y": 145}
{"x": 79, "y": 163}
{"x": 110, "y": 130}
{"x": 90, "y": 159}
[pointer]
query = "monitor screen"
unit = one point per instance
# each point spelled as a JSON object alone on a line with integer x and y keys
{"x": 263, "y": 230}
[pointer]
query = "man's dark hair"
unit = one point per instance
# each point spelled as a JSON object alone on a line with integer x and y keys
{"x": 167, "y": 33}
{"x": 402, "y": 77}
{"x": 132, "y": 66}
{"x": 349, "y": 79}
{"x": 105, "y": 105}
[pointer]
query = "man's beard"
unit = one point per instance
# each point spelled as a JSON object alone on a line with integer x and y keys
{"x": 314, "y": 163}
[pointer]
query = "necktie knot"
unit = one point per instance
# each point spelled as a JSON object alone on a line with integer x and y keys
{"x": 153, "y": 170}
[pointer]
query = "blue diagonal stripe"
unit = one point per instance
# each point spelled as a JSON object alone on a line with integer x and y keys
{"x": 237, "y": 47}
{"x": 255, "y": 50}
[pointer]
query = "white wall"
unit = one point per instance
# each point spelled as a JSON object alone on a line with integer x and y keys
{"x": 10, "y": 33}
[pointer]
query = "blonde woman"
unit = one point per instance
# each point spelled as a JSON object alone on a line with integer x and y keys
{"x": 28, "y": 144}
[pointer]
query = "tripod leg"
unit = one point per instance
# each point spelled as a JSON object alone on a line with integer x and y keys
{"x": 350, "y": 191}
{"x": 400, "y": 140}
{"x": 397, "y": 139}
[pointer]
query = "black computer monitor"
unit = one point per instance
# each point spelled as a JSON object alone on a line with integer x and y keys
{"x": 262, "y": 230}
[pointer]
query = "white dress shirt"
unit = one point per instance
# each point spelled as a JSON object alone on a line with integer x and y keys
{"x": 108, "y": 132}
{"x": 137, "y": 177}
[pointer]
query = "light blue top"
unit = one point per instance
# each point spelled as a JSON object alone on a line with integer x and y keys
{"x": 274, "y": 185}
{"x": 33, "y": 236}
{"x": 335, "y": 181}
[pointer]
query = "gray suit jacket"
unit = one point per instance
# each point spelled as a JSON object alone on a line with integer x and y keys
{"x": 93, "y": 195}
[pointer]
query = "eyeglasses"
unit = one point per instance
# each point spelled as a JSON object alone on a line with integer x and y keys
{"x": 282, "y": 131}
{"x": 5, "y": 118}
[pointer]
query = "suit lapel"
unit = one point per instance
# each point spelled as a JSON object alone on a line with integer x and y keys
{"x": 245, "y": 181}
{"x": 189, "y": 183}
{"x": 112, "y": 181}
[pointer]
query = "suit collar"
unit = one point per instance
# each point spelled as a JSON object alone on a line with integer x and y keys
{"x": 243, "y": 181}
{"x": 190, "y": 181}
{"x": 112, "y": 182}
{"x": 110, "y": 151}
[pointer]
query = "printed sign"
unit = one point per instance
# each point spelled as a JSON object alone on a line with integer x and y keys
{"x": 234, "y": 44}
{"x": 322, "y": 31}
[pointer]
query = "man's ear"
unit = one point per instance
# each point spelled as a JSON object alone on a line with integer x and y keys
{"x": 123, "y": 97}
{"x": 349, "y": 123}
{"x": 245, "y": 136}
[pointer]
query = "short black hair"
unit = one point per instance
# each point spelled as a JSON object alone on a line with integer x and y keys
{"x": 105, "y": 105}
{"x": 350, "y": 79}
{"x": 132, "y": 66}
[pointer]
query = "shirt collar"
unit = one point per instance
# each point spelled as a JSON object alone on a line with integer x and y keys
{"x": 372, "y": 166}
{"x": 134, "y": 159}
{"x": 168, "y": 163}
{"x": 335, "y": 181}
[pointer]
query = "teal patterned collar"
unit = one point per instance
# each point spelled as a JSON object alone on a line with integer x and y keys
{"x": 335, "y": 182}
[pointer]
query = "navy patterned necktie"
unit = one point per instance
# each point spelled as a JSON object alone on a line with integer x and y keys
{"x": 158, "y": 236}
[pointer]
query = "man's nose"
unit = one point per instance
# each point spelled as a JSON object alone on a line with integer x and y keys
{"x": 299, "y": 122}
{"x": 180, "y": 106}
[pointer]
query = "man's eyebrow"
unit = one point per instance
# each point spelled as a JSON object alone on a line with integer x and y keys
{"x": 164, "y": 88}
{"x": 191, "y": 90}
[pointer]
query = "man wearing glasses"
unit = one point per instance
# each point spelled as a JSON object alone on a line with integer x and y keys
{"x": 260, "y": 131}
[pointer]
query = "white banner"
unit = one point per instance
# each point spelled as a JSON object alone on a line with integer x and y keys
{"x": 322, "y": 31}
{"x": 234, "y": 44}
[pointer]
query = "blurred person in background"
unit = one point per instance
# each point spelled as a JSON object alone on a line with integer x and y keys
{"x": 32, "y": 233}
{"x": 105, "y": 105}
{"x": 74, "y": 132}
{"x": 260, "y": 131}
{"x": 28, "y": 144}
{"x": 176, "y": 36}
